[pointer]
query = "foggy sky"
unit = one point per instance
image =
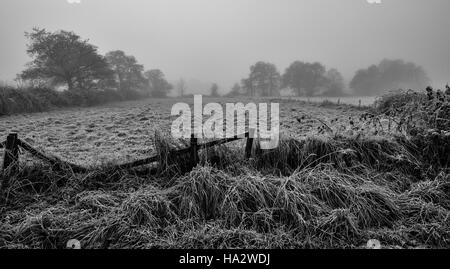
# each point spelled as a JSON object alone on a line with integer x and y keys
{"x": 217, "y": 40}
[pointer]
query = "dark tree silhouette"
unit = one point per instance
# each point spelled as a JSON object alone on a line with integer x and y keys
{"x": 389, "y": 75}
{"x": 264, "y": 79}
{"x": 63, "y": 58}
{"x": 304, "y": 78}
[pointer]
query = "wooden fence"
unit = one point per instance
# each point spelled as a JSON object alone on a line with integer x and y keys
{"x": 13, "y": 143}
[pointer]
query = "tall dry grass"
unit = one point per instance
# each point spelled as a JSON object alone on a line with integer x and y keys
{"x": 312, "y": 193}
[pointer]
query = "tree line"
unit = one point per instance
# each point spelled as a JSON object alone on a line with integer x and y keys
{"x": 63, "y": 58}
{"x": 314, "y": 79}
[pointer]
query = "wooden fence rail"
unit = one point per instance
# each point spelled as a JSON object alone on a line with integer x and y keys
{"x": 11, "y": 155}
{"x": 51, "y": 160}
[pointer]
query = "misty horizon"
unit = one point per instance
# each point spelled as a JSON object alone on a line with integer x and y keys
{"x": 217, "y": 41}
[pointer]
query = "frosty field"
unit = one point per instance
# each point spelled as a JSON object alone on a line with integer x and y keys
{"x": 124, "y": 131}
{"x": 337, "y": 180}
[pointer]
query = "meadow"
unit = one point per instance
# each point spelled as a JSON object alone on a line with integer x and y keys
{"x": 342, "y": 175}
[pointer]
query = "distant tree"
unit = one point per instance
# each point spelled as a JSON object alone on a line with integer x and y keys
{"x": 389, "y": 75}
{"x": 334, "y": 83}
{"x": 264, "y": 79}
{"x": 304, "y": 78}
{"x": 63, "y": 58}
{"x": 366, "y": 82}
{"x": 248, "y": 87}
{"x": 236, "y": 90}
{"x": 215, "y": 90}
{"x": 157, "y": 83}
{"x": 127, "y": 71}
{"x": 182, "y": 87}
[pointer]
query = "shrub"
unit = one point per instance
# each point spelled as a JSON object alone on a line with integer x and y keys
{"x": 48, "y": 97}
{"x": 417, "y": 112}
{"x": 28, "y": 100}
{"x": 18, "y": 100}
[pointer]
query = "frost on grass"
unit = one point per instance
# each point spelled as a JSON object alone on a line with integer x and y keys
{"x": 333, "y": 189}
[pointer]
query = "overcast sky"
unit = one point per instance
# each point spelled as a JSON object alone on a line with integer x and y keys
{"x": 217, "y": 40}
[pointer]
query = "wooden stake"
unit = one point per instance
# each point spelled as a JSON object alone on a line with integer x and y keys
{"x": 194, "y": 151}
{"x": 249, "y": 146}
{"x": 11, "y": 156}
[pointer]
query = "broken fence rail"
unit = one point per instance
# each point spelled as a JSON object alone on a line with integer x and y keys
{"x": 54, "y": 161}
{"x": 11, "y": 156}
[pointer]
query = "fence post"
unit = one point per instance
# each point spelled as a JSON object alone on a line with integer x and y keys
{"x": 194, "y": 150}
{"x": 249, "y": 145}
{"x": 11, "y": 155}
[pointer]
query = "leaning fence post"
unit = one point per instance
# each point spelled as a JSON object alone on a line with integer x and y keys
{"x": 194, "y": 150}
{"x": 249, "y": 145}
{"x": 11, "y": 155}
